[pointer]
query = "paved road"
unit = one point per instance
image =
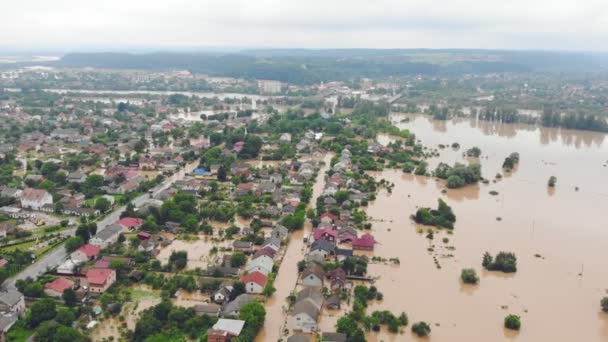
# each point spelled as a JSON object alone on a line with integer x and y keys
{"x": 59, "y": 254}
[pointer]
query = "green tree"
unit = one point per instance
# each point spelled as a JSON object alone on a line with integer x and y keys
{"x": 421, "y": 329}
{"x": 69, "y": 297}
{"x": 42, "y": 310}
{"x": 73, "y": 243}
{"x": 238, "y": 259}
{"x": 65, "y": 316}
{"x": 513, "y": 322}
{"x": 102, "y": 204}
{"x": 604, "y": 304}
{"x": 469, "y": 276}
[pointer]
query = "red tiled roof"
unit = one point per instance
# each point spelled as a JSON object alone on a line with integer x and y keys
{"x": 102, "y": 264}
{"x": 319, "y": 232}
{"x": 256, "y": 277}
{"x": 329, "y": 215}
{"x": 130, "y": 222}
{"x": 98, "y": 276}
{"x": 89, "y": 250}
{"x": 365, "y": 240}
{"x": 59, "y": 285}
{"x": 144, "y": 235}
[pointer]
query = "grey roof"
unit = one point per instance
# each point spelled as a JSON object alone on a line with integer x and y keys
{"x": 307, "y": 308}
{"x": 7, "y": 321}
{"x": 333, "y": 337}
{"x": 10, "y": 297}
{"x": 236, "y": 304}
{"x": 207, "y": 309}
{"x": 275, "y": 241}
{"x": 233, "y": 326}
{"x": 298, "y": 338}
{"x": 312, "y": 294}
{"x": 324, "y": 245}
{"x": 108, "y": 232}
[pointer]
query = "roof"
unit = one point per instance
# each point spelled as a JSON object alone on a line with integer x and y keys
{"x": 328, "y": 215}
{"x": 311, "y": 293}
{"x": 323, "y": 245}
{"x": 298, "y": 338}
{"x": 265, "y": 251}
{"x": 256, "y": 277}
{"x": 333, "y": 337}
{"x": 59, "y": 285}
{"x": 232, "y": 326}
{"x": 236, "y": 304}
{"x": 307, "y": 308}
{"x": 319, "y": 233}
{"x": 207, "y": 309}
{"x": 89, "y": 250}
{"x": 366, "y": 240}
{"x": 10, "y": 297}
{"x": 313, "y": 269}
{"x": 98, "y": 276}
{"x": 130, "y": 222}
{"x": 108, "y": 232}
{"x": 7, "y": 321}
{"x": 102, "y": 264}
{"x": 201, "y": 172}
{"x": 31, "y": 194}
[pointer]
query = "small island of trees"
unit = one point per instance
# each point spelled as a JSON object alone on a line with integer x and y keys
{"x": 504, "y": 262}
{"x": 513, "y": 322}
{"x": 469, "y": 276}
{"x": 552, "y": 181}
{"x": 604, "y": 304}
{"x": 421, "y": 329}
{"x": 459, "y": 175}
{"x": 511, "y": 161}
{"x": 443, "y": 216}
{"x": 474, "y": 152}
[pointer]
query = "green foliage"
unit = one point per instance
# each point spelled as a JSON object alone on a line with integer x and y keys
{"x": 178, "y": 260}
{"x": 504, "y": 261}
{"x": 552, "y": 181}
{"x": 442, "y": 217}
{"x": 53, "y": 332}
{"x": 474, "y": 152}
{"x": 513, "y": 322}
{"x": 604, "y": 304}
{"x": 469, "y": 276}
{"x": 421, "y": 329}
{"x": 511, "y": 161}
{"x": 238, "y": 259}
{"x": 42, "y": 310}
{"x": 73, "y": 243}
{"x": 254, "y": 314}
{"x": 102, "y": 204}
{"x": 459, "y": 175}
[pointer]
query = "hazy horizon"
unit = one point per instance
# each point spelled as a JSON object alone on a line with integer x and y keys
{"x": 188, "y": 25}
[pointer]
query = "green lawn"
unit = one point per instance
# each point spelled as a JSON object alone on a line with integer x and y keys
{"x": 139, "y": 294}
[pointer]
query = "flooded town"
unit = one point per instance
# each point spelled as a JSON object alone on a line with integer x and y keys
{"x": 335, "y": 195}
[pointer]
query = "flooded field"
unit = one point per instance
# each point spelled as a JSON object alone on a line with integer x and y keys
{"x": 198, "y": 252}
{"x": 559, "y": 237}
{"x": 285, "y": 282}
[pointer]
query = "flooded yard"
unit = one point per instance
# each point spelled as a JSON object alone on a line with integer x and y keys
{"x": 559, "y": 237}
{"x": 198, "y": 251}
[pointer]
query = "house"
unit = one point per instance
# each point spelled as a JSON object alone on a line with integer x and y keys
{"x": 222, "y": 294}
{"x": 85, "y": 253}
{"x": 263, "y": 265}
{"x": 303, "y": 317}
{"x": 225, "y": 329}
{"x": 365, "y": 242}
{"x": 238, "y": 146}
{"x": 146, "y": 246}
{"x": 273, "y": 243}
{"x": 130, "y": 223}
{"x": 347, "y": 234}
{"x": 333, "y": 301}
{"x": 266, "y": 251}
{"x": 107, "y": 236}
{"x": 6, "y": 323}
{"x": 209, "y": 310}
{"x": 35, "y": 199}
{"x": 144, "y": 236}
{"x": 329, "y": 234}
{"x": 11, "y": 301}
{"x": 99, "y": 279}
{"x": 242, "y": 246}
{"x": 342, "y": 254}
{"x": 328, "y": 217}
{"x": 320, "y": 250}
{"x": 333, "y": 337}
{"x": 56, "y": 287}
{"x": 313, "y": 275}
{"x": 254, "y": 282}
{"x": 337, "y": 279}
{"x": 298, "y": 338}
{"x": 279, "y": 232}
{"x": 77, "y": 177}
{"x": 202, "y": 174}
{"x": 311, "y": 294}
{"x": 233, "y": 307}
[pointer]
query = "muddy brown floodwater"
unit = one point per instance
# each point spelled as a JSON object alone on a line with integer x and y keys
{"x": 559, "y": 237}
{"x": 285, "y": 282}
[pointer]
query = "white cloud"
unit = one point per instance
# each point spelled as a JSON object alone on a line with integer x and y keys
{"x": 527, "y": 24}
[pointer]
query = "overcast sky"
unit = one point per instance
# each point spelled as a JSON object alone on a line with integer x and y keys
{"x": 135, "y": 24}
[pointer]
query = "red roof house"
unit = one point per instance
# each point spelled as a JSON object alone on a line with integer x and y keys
{"x": 254, "y": 282}
{"x": 85, "y": 253}
{"x": 99, "y": 279}
{"x": 365, "y": 242}
{"x": 130, "y": 223}
{"x": 238, "y": 146}
{"x": 328, "y": 234}
{"x": 57, "y": 286}
{"x": 144, "y": 236}
{"x": 326, "y": 216}
{"x": 264, "y": 251}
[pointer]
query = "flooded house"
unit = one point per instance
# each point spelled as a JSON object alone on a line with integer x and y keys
{"x": 313, "y": 276}
{"x": 254, "y": 282}
{"x": 304, "y": 317}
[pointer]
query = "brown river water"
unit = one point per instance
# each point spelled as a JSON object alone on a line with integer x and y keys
{"x": 559, "y": 236}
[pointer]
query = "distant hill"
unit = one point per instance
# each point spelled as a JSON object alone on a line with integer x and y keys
{"x": 302, "y": 66}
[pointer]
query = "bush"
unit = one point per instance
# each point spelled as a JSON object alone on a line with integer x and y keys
{"x": 504, "y": 261}
{"x": 442, "y": 217}
{"x": 421, "y": 329}
{"x": 604, "y": 304}
{"x": 474, "y": 152}
{"x": 552, "y": 181}
{"x": 469, "y": 276}
{"x": 512, "y": 322}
